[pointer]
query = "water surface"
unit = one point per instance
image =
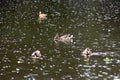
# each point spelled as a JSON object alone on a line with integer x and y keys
{"x": 93, "y": 23}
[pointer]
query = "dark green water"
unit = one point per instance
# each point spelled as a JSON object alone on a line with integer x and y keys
{"x": 93, "y": 23}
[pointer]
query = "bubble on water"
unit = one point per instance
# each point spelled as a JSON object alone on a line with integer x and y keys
{"x": 69, "y": 62}
{"x": 118, "y": 61}
{"x": 60, "y": 70}
{"x": 51, "y": 66}
{"x": 20, "y": 60}
{"x": 64, "y": 62}
{"x": 109, "y": 69}
{"x": 1, "y": 74}
{"x": 5, "y": 67}
{"x": 99, "y": 75}
{"x": 93, "y": 66}
{"x": 41, "y": 69}
{"x": 95, "y": 77}
{"x": 70, "y": 68}
{"x": 20, "y": 40}
{"x": 116, "y": 78}
{"x": 81, "y": 75}
{"x": 12, "y": 78}
{"x": 87, "y": 74}
{"x": 80, "y": 65}
{"x": 17, "y": 70}
{"x": 36, "y": 67}
{"x": 31, "y": 77}
{"x": 17, "y": 51}
{"x": 24, "y": 49}
{"x": 43, "y": 66}
{"x": 6, "y": 59}
{"x": 104, "y": 73}
{"x": 31, "y": 69}
{"x": 105, "y": 66}
{"x": 50, "y": 59}
{"x": 37, "y": 43}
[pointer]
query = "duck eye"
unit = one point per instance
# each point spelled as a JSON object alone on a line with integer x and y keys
{"x": 35, "y": 53}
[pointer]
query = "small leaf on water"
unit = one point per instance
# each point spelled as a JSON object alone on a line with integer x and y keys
{"x": 107, "y": 59}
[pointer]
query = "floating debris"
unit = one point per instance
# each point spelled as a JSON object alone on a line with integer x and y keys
{"x": 108, "y": 60}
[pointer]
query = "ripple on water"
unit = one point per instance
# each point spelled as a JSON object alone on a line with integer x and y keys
{"x": 21, "y": 60}
{"x": 66, "y": 77}
{"x": 4, "y": 69}
{"x": 118, "y": 61}
{"x": 17, "y": 51}
{"x": 45, "y": 72}
{"x": 100, "y": 75}
{"x": 21, "y": 37}
{"x": 5, "y": 59}
{"x": 16, "y": 70}
{"x": 104, "y": 73}
{"x": 31, "y": 77}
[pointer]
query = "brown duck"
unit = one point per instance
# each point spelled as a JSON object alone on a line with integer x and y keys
{"x": 64, "y": 38}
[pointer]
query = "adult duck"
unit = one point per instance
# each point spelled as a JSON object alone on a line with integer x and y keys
{"x": 36, "y": 54}
{"x": 87, "y": 52}
{"x": 64, "y": 38}
{"x": 42, "y": 16}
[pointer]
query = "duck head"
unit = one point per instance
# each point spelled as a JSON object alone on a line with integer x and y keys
{"x": 87, "y": 51}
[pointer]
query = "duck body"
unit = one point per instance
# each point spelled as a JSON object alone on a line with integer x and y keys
{"x": 64, "y": 39}
{"x": 42, "y": 16}
{"x": 36, "y": 54}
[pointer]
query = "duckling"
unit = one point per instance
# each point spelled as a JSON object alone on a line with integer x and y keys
{"x": 42, "y": 16}
{"x": 65, "y": 38}
{"x": 86, "y": 52}
{"x": 36, "y": 54}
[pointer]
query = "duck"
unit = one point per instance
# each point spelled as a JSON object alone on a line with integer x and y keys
{"x": 42, "y": 16}
{"x": 87, "y": 52}
{"x": 67, "y": 38}
{"x": 36, "y": 54}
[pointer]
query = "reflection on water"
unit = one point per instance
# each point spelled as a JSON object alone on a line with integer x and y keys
{"x": 94, "y": 24}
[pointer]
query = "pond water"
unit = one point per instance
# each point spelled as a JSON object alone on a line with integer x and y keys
{"x": 93, "y": 23}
